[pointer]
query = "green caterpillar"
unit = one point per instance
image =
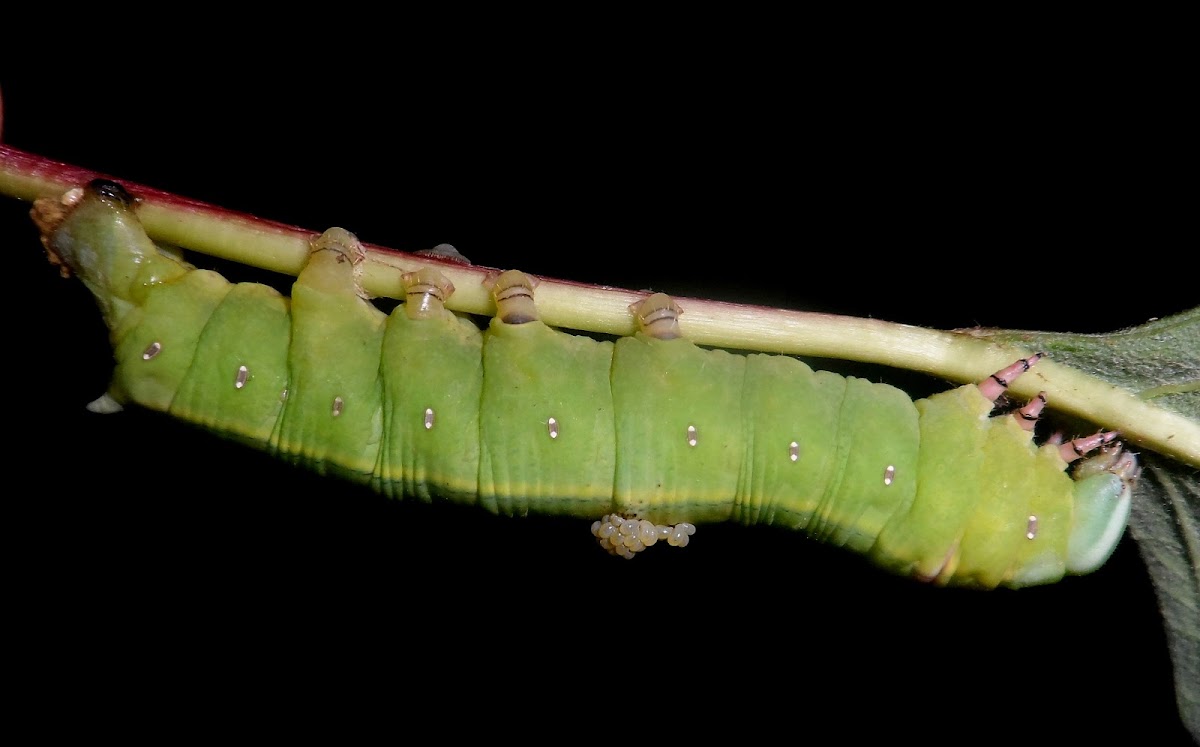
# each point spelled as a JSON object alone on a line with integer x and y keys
{"x": 650, "y": 435}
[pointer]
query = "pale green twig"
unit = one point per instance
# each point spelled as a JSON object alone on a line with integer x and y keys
{"x": 955, "y": 356}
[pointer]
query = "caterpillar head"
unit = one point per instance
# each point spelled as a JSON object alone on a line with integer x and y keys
{"x": 1103, "y": 492}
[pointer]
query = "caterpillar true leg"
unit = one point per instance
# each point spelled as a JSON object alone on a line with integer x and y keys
{"x": 1082, "y": 446}
{"x": 996, "y": 384}
{"x": 1028, "y": 415}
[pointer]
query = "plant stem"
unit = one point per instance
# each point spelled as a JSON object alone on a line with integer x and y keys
{"x": 960, "y": 357}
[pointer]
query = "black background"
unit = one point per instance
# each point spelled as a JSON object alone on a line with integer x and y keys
{"x": 996, "y": 197}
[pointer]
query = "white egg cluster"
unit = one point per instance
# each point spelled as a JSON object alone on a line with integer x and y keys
{"x": 624, "y": 537}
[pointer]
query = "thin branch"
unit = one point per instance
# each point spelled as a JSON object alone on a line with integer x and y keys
{"x": 273, "y": 246}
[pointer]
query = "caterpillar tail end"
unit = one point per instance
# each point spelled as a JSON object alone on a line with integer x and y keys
{"x": 627, "y": 537}
{"x": 92, "y": 233}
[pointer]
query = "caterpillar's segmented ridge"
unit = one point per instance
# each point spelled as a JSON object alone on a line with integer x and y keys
{"x": 651, "y": 433}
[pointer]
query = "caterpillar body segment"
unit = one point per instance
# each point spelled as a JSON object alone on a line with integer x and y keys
{"x": 427, "y": 453}
{"x": 651, "y": 433}
{"x": 546, "y": 413}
